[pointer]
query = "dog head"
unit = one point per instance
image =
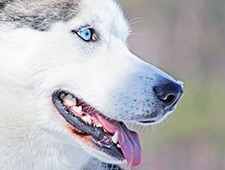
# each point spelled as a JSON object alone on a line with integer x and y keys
{"x": 78, "y": 77}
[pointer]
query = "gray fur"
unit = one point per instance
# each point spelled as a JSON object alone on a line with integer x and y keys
{"x": 37, "y": 14}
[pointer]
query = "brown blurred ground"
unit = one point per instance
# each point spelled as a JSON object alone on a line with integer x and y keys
{"x": 186, "y": 38}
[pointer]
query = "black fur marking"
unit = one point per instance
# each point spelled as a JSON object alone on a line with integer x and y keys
{"x": 38, "y": 15}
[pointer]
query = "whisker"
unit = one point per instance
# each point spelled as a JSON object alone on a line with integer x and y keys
{"x": 136, "y": 20}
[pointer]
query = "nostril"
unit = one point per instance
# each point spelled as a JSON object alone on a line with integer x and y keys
{"x": 169, "y": 98}
{"x": 168, "y": 92}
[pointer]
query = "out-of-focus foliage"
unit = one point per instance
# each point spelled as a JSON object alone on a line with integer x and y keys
{"x": 187, "y": 39}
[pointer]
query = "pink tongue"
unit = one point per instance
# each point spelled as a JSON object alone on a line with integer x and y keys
{"x": 128, "y": 140}
{"x": 130, "y": 145}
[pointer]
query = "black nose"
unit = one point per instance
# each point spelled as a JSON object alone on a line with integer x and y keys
{"x": 168, "y": 92}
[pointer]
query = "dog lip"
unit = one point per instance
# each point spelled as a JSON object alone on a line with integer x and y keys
{"x": 147, "y": 121}
{"x": 153, "y": 120}
{"x": 166, "y": 110}
{"x": 98, "y": 136}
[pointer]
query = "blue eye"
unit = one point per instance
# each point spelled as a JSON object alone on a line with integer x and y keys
{"x": 85, "y": 34}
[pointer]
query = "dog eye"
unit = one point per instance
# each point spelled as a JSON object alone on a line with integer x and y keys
{"x": 87, "y": 34}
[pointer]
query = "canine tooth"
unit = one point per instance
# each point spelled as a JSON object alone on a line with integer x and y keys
{"x": 79, "y": 109}
{"x": 118, "y": 146}
{"x": 87, "y": 119}
{"x": 70, "y": 100}
{"x": 99, "y": 125}
{"x": 115, "y": 137}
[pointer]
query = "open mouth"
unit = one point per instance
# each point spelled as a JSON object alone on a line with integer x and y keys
{"x": 109, "y": 136}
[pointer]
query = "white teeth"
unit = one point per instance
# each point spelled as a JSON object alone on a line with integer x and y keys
{"x": 115, "y": 138}
{"x": 74, "y": 100}
{"x": 78, "y": 109}
{"x": 69, "y": 100}
{"x": 87, "y": 119}
{"x": 99, "y": 125}
{"x": 69, "y": 96}
{"x": 118, "y": 146}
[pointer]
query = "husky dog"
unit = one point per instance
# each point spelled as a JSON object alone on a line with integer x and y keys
{"x": 68, "y": 83}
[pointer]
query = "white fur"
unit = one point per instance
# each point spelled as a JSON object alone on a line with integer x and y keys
{"x": 34, "y": 64}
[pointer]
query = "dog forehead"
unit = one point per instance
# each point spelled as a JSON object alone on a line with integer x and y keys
{"x": 105, "y": 13}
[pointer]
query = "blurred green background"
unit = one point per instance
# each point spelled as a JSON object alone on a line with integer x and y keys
{"x": 185, "y": 38}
